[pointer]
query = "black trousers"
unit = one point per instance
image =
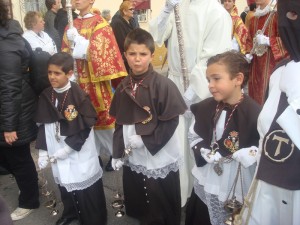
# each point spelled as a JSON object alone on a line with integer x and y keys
{"x": 18, "y": 161}
{"x": 196, "y": 211}
{"x": 88, "y": 205}
{"x": 152, "y": 201}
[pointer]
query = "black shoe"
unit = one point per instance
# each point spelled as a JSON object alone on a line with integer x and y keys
{"x": 108, "y": 166}
{"x": 65, "y": 221}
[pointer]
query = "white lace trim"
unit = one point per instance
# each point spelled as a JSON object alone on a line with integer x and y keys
{"x": 217, "y": 212}
{"x": 82, "y": 185}
{"x": 155, "y": 173}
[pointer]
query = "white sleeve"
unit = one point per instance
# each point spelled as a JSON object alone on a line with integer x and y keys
{"x": 217, "y": 40}
{"x": 80, "y": 48}
{"x": 161, "y": 27}
{"x": 289, "y": 120}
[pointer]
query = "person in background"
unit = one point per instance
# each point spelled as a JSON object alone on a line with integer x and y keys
{"x": 269, "y": 46}
{"x": 99, "y": 66}
{"x": 147, "y": 106}
{"x": 17, "y": 107}
{"x": 61, "y": 19}
{"x": 53, "y": 6}
{"x": 207, "y": 29}
{"x": 275, "y": 193}
{"x": 106, "y": 15}
{"x": 250, "y": 14}
{"x": 244, "y": 14}
{"x": 35, "y": 34}
{"x": 121, "y": 26}
{"x": 224, "y": 135}
{"x": 134, "y": 22}
{"x": 239, "y": 30}
{"x": 66, "y": 117}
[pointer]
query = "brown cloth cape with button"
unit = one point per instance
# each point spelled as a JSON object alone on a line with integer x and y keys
{"x": 246, "y": 114}
{"x": 157, "y": 93}
{"x": 76, "y": 130}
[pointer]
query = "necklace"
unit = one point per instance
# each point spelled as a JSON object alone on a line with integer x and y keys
{"x": 57, "y": 125}
{"x": 215, "y": 146}
{"x": 134, "y": 86}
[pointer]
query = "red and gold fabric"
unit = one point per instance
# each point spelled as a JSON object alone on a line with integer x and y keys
{"x": 261, "y": 67}
{"x": 239, "y": 30}
{"x": 104, "y": 63}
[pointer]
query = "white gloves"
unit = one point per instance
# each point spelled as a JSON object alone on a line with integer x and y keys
{"x": 249, "y": 58}
{"x": 262, "y": 40}
{"x": 246, "y": 156}
{"x": 135, "y": 141}
{"x": 210, "y": 158}
{"x": 170, "y": 4}
{"x": 62, "y": 153}
{"x": 81, "y": 46}
{"x": 235, "y": 45}
{"x": 43, "y": 159}
{"x": 72, "y": 33}
{"x": 116, "y": 163}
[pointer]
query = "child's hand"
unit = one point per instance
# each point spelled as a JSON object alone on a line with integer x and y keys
{"x": 210, "y": 158}
{"x": 116, "y": 163}
{"x": 43, "y": 159}
{"x": 246, "y": 156}
{"x": 136, "y": 141}
{"x": 62, "y": 153}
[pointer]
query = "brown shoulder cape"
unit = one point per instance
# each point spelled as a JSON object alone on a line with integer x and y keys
{"x": 47, "y": 113}
{"x": 157, "y": 98}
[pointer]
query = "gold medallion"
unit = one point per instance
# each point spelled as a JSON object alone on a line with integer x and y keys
{"x": 71, "y": 113}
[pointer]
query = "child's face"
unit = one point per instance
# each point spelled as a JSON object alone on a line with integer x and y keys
{"x": 138, "y": 57}
{"x": 57, "y": 77}
{"x": 222, "y": 86}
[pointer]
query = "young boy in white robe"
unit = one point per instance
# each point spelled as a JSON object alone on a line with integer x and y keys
{"x": 66, "y": 117}
{"x": 147, "y": 106}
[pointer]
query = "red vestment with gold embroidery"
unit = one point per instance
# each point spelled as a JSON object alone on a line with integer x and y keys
{"x": 239, "y": 30}
{"x": 261, "y": 67}
{"x": 104, "y": 63}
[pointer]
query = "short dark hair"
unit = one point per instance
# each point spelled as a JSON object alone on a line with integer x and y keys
{"x": 139, "y": 36}
{"x": 49, "y": 4}
{"x": 4, "y": 16}
{"x": 235, "y": 63}
{"x": 62, "y": 59}
{"x": 252, "y": 6}
{"x": 63, "y": 3}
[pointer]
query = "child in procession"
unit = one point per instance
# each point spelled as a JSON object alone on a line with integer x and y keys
{"x": 66, "y": 117}
{"x": 147, "y": 106}
{"x": 224, "y": 140}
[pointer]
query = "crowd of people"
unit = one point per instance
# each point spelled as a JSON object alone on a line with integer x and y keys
{"x": 228, "y": 157}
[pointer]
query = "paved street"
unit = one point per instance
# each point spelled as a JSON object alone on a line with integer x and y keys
{"x": 42, "y": 215}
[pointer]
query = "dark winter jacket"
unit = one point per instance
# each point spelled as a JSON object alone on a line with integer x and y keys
{"x": 17, "y": 98}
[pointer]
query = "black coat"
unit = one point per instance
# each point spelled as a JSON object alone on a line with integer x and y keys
{"x": 17, "y": 98}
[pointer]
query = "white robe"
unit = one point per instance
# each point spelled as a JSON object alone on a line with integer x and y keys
{"x": 155, "y": 166}
{"x": 207, "y": 31}
{"x": 273, "y": 205}
{"x": 43, "y": 41}
{"x": 80, "y": 169}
